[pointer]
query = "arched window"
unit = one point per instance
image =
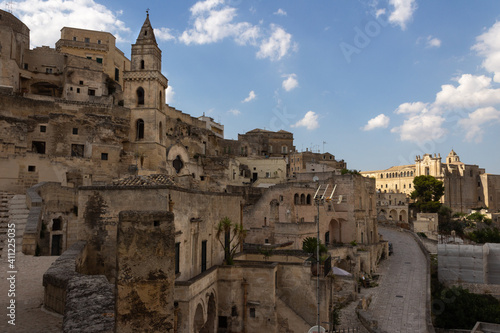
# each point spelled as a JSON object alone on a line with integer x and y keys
{"x": 296, "y": 199}
{"x": 140, "y": 96}
{"x": 160, "y": 101}
{"x": 308, "y": 199}
{"x": 140, "y": 129}
{"x": 381, "y": 175}
{"x": 142, "y": 64}
{"x": 302, "y": 199}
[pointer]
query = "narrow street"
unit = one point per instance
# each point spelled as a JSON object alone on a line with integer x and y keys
{"x": 399, "y": 301}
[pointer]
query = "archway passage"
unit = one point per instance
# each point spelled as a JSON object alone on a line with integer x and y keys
{"x": 335, "y": 231}
{"x": 198, "y": 319}
{"x": 209, "y": 326}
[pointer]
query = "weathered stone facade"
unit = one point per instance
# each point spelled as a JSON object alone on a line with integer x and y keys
{"x": 95, "y": 128}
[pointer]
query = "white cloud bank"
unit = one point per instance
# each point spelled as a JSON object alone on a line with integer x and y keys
{"x": 214, "y": 21}
{"x": 471, "y": 104}
{"x": 310, "y": 121}
{"x": 380, "y": 121}
{"x": 45, "y": 18}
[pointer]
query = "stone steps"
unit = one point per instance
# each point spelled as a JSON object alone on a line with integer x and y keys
{"x": 13, "y": 210}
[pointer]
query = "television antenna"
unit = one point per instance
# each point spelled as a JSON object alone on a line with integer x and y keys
{"x": 320, "y": 199}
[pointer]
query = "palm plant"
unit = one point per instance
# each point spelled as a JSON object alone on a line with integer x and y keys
{"x": 233, "y": 235}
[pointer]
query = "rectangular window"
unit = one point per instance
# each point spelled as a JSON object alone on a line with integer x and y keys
{"x": 87, "y": 40}
{"x": 99, "y": 60}
{"x": 89, "y": 57}
{"x": 252, "y": 312}
{"x": 31, "y": 168}
{"x": 77, "y": 150}
{"x": 81, "y": 83}
{"x": 25, "y": 66}
{"x": 91, "y": 92}
{"x": 98, "y": 41}
{"x": 38, "y": 147}
{"x": 104, "y": 156}
{"x": 77, "y": 90}
{"x": 75, "y": 130}
{"x": 48, "y": 70}
{"x": 177, "y": 257}
{"x": 117, "y": 74}
{"x": 43, "y": 128}
{"x": 74, "y": 39}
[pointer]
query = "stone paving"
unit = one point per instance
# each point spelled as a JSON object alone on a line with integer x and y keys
{"x": 30, "y": 317}
{"x": 399, "y": 301}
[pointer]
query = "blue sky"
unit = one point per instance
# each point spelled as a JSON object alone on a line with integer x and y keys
{"x": 372, "y": 82}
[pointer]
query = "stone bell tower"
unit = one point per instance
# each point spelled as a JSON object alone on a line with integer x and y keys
{"x": 144, "y": 90}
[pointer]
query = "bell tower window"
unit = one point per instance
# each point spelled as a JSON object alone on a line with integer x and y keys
{"x": 142, "y": 64}
{"x": 140, "y": 96}
{"x": 140, "y": 129}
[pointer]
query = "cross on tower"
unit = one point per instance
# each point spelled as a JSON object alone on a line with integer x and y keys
{"x": 147, "y": 11}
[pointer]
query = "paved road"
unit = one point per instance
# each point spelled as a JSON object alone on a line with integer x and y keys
{"x": 399, "y": 301}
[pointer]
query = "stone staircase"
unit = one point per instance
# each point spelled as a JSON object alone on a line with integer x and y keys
{"x": 289, "y": 321}
{"x": 12, "y": 210}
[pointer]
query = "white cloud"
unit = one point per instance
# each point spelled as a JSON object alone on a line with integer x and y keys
{"x": 471, "y": 104}
{"x": 212, "y": 25}
{"x": 290, "y": 82}
{"x": 421, "y": 128}
{"x": 46, "y": 18}
{"x": 474, "y": 124}
{"x": 277, "y": 45}
{"x": 234, "y": 112}
{"x": 213, "y": 21}
{"x": 403, "y": 12}
{"x": 280, "y": 12}
{"x": 250, "y": 97}
{"x": 380, "y": 12}
{"x": 472, "y": 91}
{"x": 411, "y": 108}
{"x": 380, "y": 121}
{"x": 488, "y": 45}
{"x": 164, "y": 34}
{"x": 169, "y": 94}
{"x": 433, "y": 42}
{"x": 310, "y": 121}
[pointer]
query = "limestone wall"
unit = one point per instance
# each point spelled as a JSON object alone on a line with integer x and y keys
{"x": 145, "y": 272}
{"x": 197, "y": 214}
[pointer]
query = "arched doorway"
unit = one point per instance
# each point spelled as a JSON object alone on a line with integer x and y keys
{"x": 403, "y": 216}
{"x": 198, "y": 319}
{"x": 335, "y": 231}
{"x": 393, "y": 215}
{"x": 209, "y": 326}
{"x": 274, "y": 211}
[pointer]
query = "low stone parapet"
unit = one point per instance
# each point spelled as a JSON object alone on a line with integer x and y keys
{"x": 57, "y": 277}
{"x": 90, "y": 305}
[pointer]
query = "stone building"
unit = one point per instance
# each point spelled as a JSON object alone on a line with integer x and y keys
{"x": 98, "y": 46}
{"x": 307, "y": 161}
{"x": 466, "y": 186}
{"x": 392, "y": 207}
{"x": 107, "y": 163}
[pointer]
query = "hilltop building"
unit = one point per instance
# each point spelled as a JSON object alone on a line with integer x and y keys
{"x": 466, "y": 186}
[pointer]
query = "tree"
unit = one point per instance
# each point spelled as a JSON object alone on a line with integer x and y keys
{"x": 427, "y": 193}
{"x": 230, "y": 242}
{"x": 310, "y": 245}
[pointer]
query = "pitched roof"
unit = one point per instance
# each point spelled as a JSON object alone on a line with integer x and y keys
{"x": 149, "y": 180}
